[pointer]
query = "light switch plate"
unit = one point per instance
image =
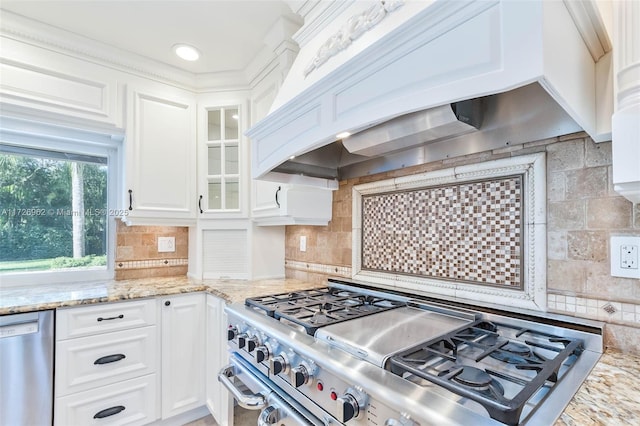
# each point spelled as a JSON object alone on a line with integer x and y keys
{"x": 303, "y": 243}
{"x": 625, "y": 255}
{"x": 166, "y": 244}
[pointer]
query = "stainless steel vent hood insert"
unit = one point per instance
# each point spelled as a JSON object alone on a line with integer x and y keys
{"x": 418, "y": 128}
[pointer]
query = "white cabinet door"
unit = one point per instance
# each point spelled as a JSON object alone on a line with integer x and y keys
{"x": 216, "y": 355}
{"x": 222, "y": 156}
{"x": 161, "y": 157}
{"x": 183, "y": 322}
{"x": 266, "y": 198}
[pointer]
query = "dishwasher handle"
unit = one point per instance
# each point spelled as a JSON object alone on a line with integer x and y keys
{"x": 250, "y": 402}
{"x": 19, "y": 324}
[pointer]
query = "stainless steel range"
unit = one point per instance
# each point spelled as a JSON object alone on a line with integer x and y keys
{"x": 351, "y": 354}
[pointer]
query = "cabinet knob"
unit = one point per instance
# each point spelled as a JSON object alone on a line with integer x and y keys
{"x": 167, "y": 303}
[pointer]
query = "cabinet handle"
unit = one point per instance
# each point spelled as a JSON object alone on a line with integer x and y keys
{"x": 167, "y": 303}
{"x": 109, "y": 359}
{"x": 110, "y": 318}
{"x": 278, "y": 190}
{"x": 108, "y": 412}
{"x": 200, "y": 204}
{"x": 130, "y": 199}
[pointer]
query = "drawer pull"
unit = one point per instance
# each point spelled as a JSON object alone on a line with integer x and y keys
{"x": 109, "y": 358}
{"x": 108, "y": 412}
{"x": 110, "y": 318}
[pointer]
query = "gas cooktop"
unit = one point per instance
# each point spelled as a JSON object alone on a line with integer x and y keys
{"x": 379, "y": 354}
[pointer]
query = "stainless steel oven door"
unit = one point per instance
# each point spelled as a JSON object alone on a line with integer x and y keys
{"x": 253, "y": 391}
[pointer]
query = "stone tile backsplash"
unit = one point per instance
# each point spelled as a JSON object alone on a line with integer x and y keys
{"x": 137, "y": 253}
{"x": 478, "y": 224}
{"x": 583, "y": 212}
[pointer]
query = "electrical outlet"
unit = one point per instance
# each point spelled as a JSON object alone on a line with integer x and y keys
{"x": 166, "y": 244}
{"x": 624, "y": 257}
{"x": 303, "y": 243}
{"x": 629, "y": 256}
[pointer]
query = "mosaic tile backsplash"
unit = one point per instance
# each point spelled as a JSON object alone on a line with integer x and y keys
{"x": 470, "y": 231}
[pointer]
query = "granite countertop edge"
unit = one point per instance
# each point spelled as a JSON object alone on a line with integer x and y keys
{"x": 607, "y": 397}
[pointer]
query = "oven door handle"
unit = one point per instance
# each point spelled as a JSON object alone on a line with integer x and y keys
{"x": 250, "y": 402}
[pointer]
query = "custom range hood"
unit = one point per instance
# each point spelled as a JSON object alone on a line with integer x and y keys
{"x": 418, "y": 81}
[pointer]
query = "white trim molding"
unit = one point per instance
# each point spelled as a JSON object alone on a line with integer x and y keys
{"x": 533, "y": 295}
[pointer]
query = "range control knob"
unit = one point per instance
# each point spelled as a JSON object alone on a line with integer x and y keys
{"x": 262, "y": 353}
{"x": 404, "y": 420}
{"x": 351, "y": 404}
{"x": 278, "y": 364}
{"x": 299, "y": 375}
{"x": 242, "y": 340}
{"x": 232, "y": 332}
{"x": 252, "y": 343}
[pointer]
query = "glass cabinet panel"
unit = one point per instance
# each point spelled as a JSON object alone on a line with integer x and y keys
{"x": 214, "y": 125}
{"x": 215, "y": 195}
{"x": 215, "y": 160}
{"x": 231, "y": 159}
{"x": 231, "y": 194}
{"x": 223, "y": 158}
{"x": 231, "y": 119}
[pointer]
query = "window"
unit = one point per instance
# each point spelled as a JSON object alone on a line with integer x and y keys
{"x": 56, "y": 203}
{"x": 53, "y": 210}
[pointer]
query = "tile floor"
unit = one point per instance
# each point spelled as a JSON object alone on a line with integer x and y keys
{"x": 240, "y": 418}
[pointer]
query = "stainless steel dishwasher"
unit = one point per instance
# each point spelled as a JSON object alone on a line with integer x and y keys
{"x": 26, "y": 369}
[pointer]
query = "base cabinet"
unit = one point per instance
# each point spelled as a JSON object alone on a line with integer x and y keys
{"x": 131, "y": 402}
{"x": 183, "y": 324}
{"x": 132, "y": 363}
{"x": 218, "y": 401}
{"x": 106, "y": 364}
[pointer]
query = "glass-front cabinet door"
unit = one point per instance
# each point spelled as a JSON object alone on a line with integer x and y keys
{"x": 221, "y": 191}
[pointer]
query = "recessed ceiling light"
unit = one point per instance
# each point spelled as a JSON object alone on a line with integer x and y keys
{"x": 186, "y": 52}
{"x": 235, "y": 116}
{"x": 343, "y": 135}
{"x": 292, "y": 157}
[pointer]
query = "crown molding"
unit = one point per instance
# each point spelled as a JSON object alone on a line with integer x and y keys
{"x": 47, "y": 37}
{"x": 590, "y": 25}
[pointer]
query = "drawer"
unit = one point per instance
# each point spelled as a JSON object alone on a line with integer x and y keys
{"x": 89, "y": 362}
{"x": 132, "y": 402}
{"x": 104, "y": 317}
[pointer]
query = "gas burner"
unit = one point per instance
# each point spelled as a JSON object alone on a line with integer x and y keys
{"x": 513, "y": 353}
{"x": 471, "y": 376}
{"x": 476, "y": 381}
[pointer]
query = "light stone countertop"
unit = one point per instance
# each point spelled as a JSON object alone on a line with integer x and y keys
{"x": 609, "y": 396}
{"x": 41, "y": 297}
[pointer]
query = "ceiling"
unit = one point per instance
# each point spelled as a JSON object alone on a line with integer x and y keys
{"x": 228, "y": 33}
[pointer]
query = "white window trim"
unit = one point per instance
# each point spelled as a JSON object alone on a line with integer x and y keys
{"x": 533, "y": 295}
{"x": 102, "y": 143}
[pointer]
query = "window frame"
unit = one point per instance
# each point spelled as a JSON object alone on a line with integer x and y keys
{"x": 96, "y": 142}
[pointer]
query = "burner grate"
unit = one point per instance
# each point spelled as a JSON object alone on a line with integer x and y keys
{"x": 457, "y": 362}
{"x": 313, "y": 309}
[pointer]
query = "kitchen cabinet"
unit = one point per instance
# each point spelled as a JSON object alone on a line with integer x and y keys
{"x": 217, "y": 397}
{"x": 222, "y": 156}
{"x": 236, "y": 249}
{"x": 106, "y": 364}
{"x": 160, "y": 156}
{"x": 183, "y": 351}
{"x": 297, "y": 205}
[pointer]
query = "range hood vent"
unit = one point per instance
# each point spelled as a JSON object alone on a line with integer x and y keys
{"x": 418, "y": 128}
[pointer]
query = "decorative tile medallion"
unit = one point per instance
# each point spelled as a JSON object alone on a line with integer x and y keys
{"x": 469, "y": 232}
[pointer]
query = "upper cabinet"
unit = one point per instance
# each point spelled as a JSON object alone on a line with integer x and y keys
{"x": 222, "y": 158}
{"x": 160, "y": 156}
{"x": 36, "y": 81}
